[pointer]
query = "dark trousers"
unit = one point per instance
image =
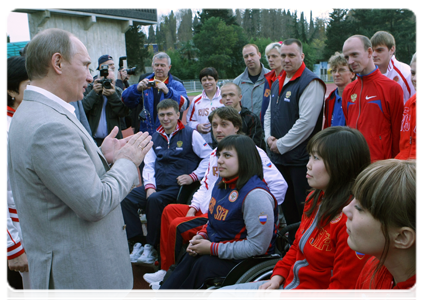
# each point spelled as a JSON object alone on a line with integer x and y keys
{"x": 153, "y": 207}
{"x": 296, "y": 193}
{"x": 193, "y": 271}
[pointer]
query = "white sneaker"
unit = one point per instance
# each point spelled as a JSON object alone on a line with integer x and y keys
{"x": 148, "y": 256}
{"x": 155, "y": 285}
{"x": 154, "y": 277}
{"x": 136, "y": 252}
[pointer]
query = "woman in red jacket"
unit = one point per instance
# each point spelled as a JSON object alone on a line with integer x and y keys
{"x": 408, "y": 124}
{"x": 320, "y": 257}
{"x": 382, "y": 222}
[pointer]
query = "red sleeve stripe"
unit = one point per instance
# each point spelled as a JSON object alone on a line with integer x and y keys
{"x": 11, "y": 236}
{"x": 193, "y": 177}
{"x": 214, "y": 249}
{"x": 9, "y": 257}
{"x": 181, "y": 102}
{"x": 13, "y": 211}
{"x": 403, "y": 79}
{"x": 193, "y": 108}
{"x": 11, "y": 248}
{"x": 150, "y": 186}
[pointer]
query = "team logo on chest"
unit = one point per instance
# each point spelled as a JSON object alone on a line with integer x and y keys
{"x": 353, "y": 97}
{"x": 287, "y": 95}
{"x": 233, "y": 196}
{"x": 179, "y": 143}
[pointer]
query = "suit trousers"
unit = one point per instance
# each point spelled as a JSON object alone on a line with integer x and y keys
{"x": 153, "y": 207}
{"x": 193, "y": 271}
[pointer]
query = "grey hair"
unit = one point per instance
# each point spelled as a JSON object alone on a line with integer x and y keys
{"x": 162, "y": 55}
{"x": 271, "y": 46}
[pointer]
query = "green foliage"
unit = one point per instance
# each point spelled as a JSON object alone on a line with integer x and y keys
{"x": 401, "y": 23}
{"x": 135, "y": 51}
{"x": 218, "y": 44}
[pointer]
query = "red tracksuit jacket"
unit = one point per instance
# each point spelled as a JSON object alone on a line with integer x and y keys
{"x": 407, "y": 143}
{"x": 373, "y": 104}
{"x": 382, "y": 280}
{"x": 320, "y": 259}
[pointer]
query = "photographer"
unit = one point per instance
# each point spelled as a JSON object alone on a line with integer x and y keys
{"x": 153, "y": 89}
{"x": 122, "y": 79}
{"x": 102, "y": 102}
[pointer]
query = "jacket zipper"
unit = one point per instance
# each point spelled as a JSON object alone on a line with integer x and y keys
{"x": 359, "y": 104}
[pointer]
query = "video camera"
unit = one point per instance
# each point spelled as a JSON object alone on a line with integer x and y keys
{"x": 104, "y": 72}
{"x": 130, "y": 71}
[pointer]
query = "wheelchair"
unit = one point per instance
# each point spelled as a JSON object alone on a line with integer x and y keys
{"x": 255, "y": 268}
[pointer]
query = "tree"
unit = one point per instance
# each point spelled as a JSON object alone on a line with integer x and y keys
{"x": 337, "y": 32}
{"x": 223, "y": 56}
{"x": 226, "y": 15}
{"x": 151, "y": 35}
{"x": 185, "y": 26}
{"x": 135, "y": 51}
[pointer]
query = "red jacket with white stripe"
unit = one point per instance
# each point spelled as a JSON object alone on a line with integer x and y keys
{"x": 320, "y": 259}
{"x": 200, "y": 108}
{"x": 408, "y": 131}
{"x": 401, "y": 73}
{"x": 373, "y": 105}
{"x": 14, "y": 240}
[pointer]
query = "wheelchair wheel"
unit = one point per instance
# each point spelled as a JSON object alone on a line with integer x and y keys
{"x": 262, "y": 271}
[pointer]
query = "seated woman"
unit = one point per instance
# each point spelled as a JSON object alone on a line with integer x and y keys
{"x": 242, "y": 218}
{"x": 202, "y": 105}
{"x": 382, "y": 222}
{"x": 320, "y": 257}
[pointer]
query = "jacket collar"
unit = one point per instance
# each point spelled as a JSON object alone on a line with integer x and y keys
{"x": 10, "y": 111}
{"x": 245, "y": 76}
{"x": 231, "y": 183}
{"x": 160, "y": 130}
{"x": 297, "y": 74}
{"x": 370, "y": 76}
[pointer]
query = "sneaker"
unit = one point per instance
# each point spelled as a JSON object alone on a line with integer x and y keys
{"x": 155, "y": 285}
{"x": 136, "y": 252}
{"x": 154, "y": 277}
{"x": 148, "y": 256}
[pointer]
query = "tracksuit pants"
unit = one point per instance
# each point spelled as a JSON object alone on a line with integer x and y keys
{"x": 193, "y": 271}
{"x": 153, "y": 206}
{"x": 176, "y": 230}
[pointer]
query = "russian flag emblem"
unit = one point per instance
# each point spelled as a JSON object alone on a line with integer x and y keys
{"x": 205, "y": 144}
{"x": 269, "y": 165}
{"x": 263, "y": 219}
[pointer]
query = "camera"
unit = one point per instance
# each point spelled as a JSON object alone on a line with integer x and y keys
{"x": 129, "y": 71}
{"x": 104, "y": 72}
{"x": 151, "y": 84}
{"x": 143, "y": 115}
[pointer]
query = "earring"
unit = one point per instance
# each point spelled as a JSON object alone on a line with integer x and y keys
{"x": 13, "y": 98}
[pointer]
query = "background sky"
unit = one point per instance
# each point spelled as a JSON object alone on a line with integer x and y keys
{"x": 18, "y": 30}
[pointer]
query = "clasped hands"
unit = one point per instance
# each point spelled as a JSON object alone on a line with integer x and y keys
{"x": 143, "y": 85}
{"x": 133, "y": 147}
{"x": 198, "y": 245}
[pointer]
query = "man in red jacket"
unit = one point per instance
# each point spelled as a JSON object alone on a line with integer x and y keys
{"x": 373, "y": 104}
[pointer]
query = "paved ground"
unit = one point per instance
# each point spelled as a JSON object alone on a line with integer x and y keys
{"x": 139, "y": 270}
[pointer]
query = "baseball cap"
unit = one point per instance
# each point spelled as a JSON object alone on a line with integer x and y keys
{"x": 103, "y": 59}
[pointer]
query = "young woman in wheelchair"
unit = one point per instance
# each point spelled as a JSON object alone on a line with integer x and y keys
{"x": 382, "y": 223}
{"x": 320, "y": 257}
{"x": 242, "y": 218}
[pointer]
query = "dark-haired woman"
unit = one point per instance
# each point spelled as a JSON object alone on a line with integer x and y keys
{"x": 242, "y": 218}
{"x": 320, "y": 257}
{"x": 202, "y": 105}
{"x": 17, "y": 80}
